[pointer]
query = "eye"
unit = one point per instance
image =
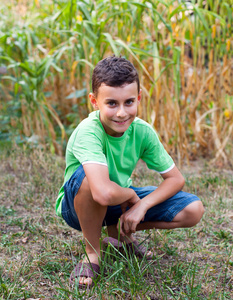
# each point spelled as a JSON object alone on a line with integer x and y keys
{"x": 111, "y": 103}
{"x": 129, "y": 102}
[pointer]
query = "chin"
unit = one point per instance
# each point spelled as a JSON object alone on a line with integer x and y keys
{"x": 117, "y": 133}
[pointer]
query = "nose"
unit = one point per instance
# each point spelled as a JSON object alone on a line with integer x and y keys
{"x": 121, "y": 113}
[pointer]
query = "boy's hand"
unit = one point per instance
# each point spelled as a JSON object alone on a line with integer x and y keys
{"x": 132, "y": 217}
{"x": 129, "y": 203}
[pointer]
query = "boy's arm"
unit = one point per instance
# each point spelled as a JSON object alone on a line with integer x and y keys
{"x": 104, "y": 191}
{"x": 173, "y": 183}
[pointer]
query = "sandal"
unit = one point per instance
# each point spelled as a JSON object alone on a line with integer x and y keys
{"x": 132, "y": 248}
{"x": 138, "y": 250}
{"x": 84, "y": 269}
{"x": 114, "y": 242}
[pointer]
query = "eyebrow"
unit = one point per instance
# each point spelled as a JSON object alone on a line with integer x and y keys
{"x": 110, "y": 99}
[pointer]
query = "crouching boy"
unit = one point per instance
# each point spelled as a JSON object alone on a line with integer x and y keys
{"x": 101, "y": 155}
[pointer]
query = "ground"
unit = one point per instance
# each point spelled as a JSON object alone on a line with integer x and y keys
{"x": 38, "y": 250}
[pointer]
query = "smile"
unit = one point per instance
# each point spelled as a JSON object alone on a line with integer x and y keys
{"x": 120, "y": 122}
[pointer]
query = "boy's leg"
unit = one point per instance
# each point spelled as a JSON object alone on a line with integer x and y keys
{"x": 181, "y": 210}
{"x": 128, "y": 239}
{"x": 113, "y": 232}
{"x": 187, "y": 217}
{"x": 91, "y": 216}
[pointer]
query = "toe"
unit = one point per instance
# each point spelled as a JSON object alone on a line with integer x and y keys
{"x": 85, "y": 281}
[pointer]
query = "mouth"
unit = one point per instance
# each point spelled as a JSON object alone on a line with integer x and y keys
{"x": 120, "y": 122}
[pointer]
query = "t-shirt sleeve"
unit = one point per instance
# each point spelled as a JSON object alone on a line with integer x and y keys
{"x": 154, "y": 154}
{"x": 88, "y": 147}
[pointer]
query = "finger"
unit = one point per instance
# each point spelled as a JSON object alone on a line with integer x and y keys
{"x": 126, "y": 227}
{"x": 133, "y": 227}
{"x": 120, "y": 225}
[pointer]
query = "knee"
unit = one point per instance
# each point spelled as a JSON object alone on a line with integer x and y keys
{"x": 193, "y": 213}
{"x": 84, "y": 192}
{"x": 85, "y": 186}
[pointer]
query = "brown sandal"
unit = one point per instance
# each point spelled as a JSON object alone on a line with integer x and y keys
{"x": 132, "y": 248}
{"x": 114, "y": 242}
{"x": 138, "y": 250}
{"x": 84, "y": 269}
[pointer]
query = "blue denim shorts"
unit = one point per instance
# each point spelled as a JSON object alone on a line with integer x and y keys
{"x": 164, "y": 211}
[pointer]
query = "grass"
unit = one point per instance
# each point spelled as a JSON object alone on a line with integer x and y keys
{"x": 39, "y": 251}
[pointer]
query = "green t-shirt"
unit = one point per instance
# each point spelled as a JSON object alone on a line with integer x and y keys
{"x": 89, "y": 143}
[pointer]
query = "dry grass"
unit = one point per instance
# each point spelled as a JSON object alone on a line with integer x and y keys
{"x": 38, "y": 249}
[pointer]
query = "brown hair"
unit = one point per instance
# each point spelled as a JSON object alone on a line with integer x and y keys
{"x": 114, "y": 71}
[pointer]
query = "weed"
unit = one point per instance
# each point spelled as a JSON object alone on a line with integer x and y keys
{"x": 182, "y": 49}
{"x": 39, "y": 251}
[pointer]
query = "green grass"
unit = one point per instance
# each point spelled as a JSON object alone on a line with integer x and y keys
{"x": 39, "y": 251}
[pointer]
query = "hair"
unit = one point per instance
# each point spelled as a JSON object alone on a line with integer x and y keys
{"x": 114, "y": 71}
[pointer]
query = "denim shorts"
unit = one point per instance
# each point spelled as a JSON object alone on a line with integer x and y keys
{"x": 164, "y": 211}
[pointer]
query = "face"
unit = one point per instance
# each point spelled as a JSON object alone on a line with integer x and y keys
{"x": 118, "y": 107}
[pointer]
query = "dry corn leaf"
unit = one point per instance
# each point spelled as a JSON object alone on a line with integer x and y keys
{"x": 24, "y": 240}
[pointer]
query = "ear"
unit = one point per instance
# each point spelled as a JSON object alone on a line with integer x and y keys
{"x": 93, "y": 101}
{"x": 139, "y": 96}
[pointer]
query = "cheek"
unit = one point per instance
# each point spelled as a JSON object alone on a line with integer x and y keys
{"x": 109, "y": 113}
{"x": 134, "y": 110}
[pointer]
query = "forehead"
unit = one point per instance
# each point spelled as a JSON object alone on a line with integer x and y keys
{"x": 127, "y": 91}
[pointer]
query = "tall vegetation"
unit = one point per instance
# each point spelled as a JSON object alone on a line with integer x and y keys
{"x": 183, "y": 51}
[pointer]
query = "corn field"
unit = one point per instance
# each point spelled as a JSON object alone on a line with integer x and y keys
{"x": 183, "y": 51}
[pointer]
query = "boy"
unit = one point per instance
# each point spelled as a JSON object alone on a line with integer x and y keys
{"x": 101, "y": 155}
